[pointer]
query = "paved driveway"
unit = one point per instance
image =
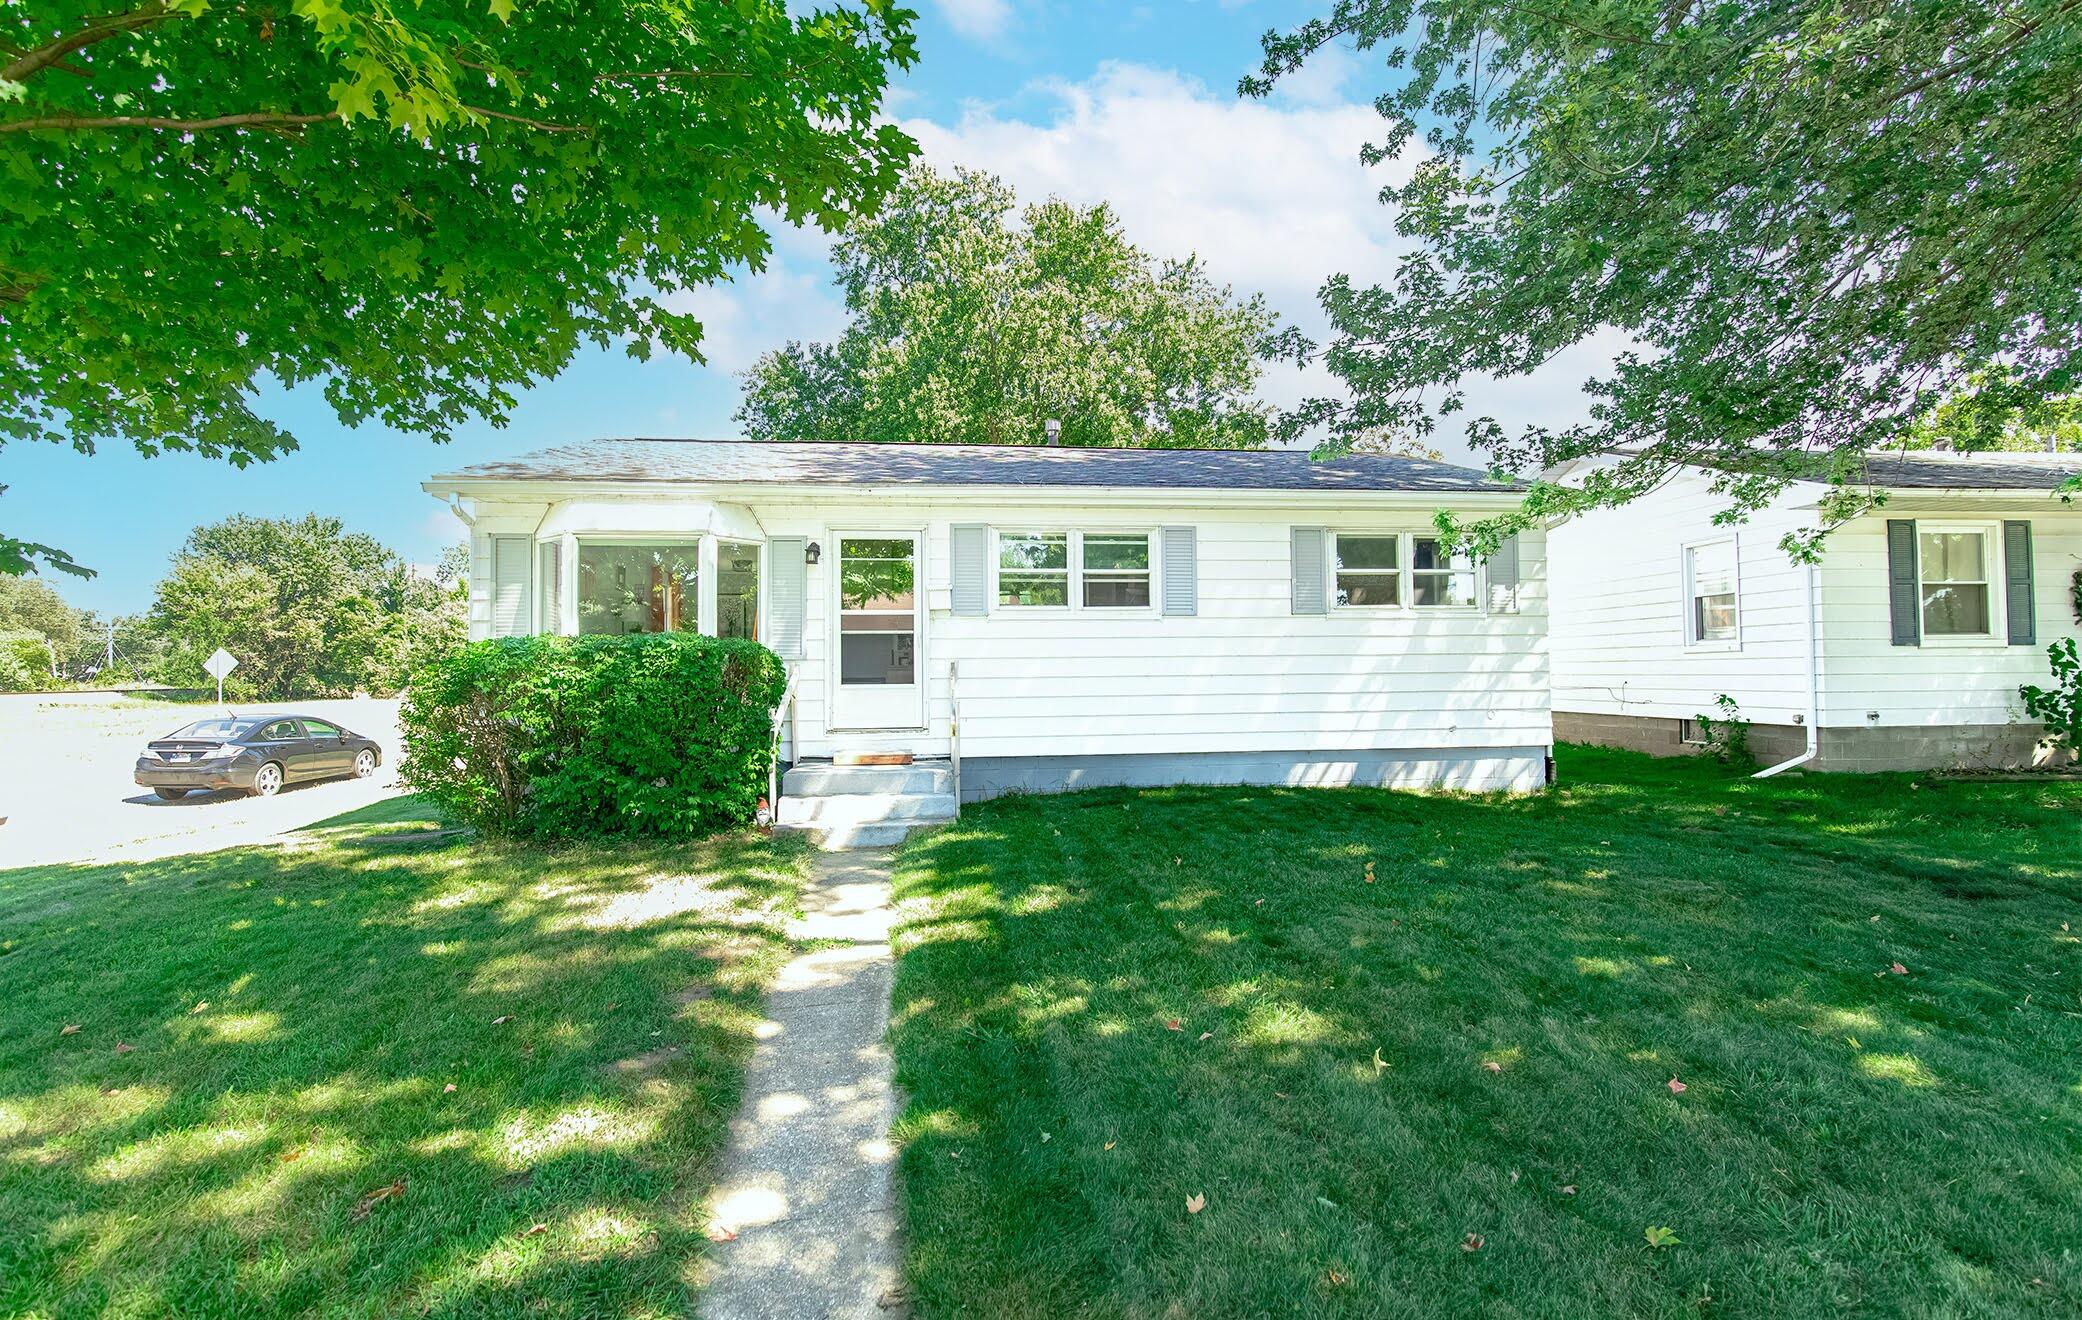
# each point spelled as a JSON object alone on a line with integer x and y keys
{"x": 65, "y": 787}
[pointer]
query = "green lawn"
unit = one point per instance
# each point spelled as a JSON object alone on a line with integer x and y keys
{"x": 1448, "y": 1091}
{"x": 255, "y": 1114}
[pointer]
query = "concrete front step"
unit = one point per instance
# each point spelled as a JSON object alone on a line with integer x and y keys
{"x": 866, "y": 808}
{"x": 823, "y": 779}
{"x": 837, "y": 838}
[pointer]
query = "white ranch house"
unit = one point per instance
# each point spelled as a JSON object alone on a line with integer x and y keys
{"x": 1902, "y": 649}
{"x": 1035, "y": 618}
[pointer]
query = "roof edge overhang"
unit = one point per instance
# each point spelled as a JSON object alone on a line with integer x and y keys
{"x": 531, "y": 490}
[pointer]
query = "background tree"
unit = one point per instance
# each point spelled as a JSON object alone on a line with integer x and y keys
{"x": 1988, "y": 415}
{"x": 970, "y": 327}
{"x": 1814, "y": 220}
{"x": 425, "y": 206}
{"x": 308, "y": 608}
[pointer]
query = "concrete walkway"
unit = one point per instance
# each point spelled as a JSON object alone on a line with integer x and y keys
{"x": 806, "y": 1183}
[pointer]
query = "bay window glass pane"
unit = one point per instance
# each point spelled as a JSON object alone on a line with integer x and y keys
{"x": 549, "y": 574}
{"x": 737, "y": 590}
{"x": 1438, "y": 579}
{"x": 638, "y": 588}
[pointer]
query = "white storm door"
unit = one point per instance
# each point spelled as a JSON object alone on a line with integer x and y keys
{"x": 878, "y": 616}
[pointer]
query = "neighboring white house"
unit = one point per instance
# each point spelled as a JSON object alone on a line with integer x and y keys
{"x": 1079, "y": 616}
{"x": 1903, "y": 649}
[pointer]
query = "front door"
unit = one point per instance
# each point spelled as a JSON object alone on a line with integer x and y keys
{"x": 879, "y": 619}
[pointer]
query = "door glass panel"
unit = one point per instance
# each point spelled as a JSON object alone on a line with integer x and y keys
{"x": 877, "y": 611}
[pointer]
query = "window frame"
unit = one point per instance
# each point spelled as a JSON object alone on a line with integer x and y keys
{"x": 1074, "y": 570}
{"x": 1996, "y": 582}
{"x": 1476, "y": 594}
{"x": 1688, "y": 593}
{"x": 1405, "y": 573}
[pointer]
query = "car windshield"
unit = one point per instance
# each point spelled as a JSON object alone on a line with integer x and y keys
{"x": 213, "y": 729}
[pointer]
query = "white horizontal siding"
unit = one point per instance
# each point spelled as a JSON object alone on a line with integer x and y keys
{"x": 1618, "y": 611}
{"x": 1866, "y": 680}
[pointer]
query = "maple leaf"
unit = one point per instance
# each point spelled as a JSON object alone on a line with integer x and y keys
{"x": 123, "y": 1048}
{"x": 1898, "y": 970}
{"x": 1336, "y": 1279}
{"x": 1676, "y": 1087}
{"x": 1491, "y": 1065}
{"x": 1658, "y": 1238}
{"x": 370, "y": 1200}
{"x": 69, "y": 1029}
{"x": 721, "y": 1233}
{"x": 533, "y": 1229}
{"x": 291, "y": 1157}
{"x": 1196, "y": 1203}
{"x": 1173, "y": 1025}
{"x": 1369, "y": 873}
{"x": 1473, "y": 1242}
{"x": 448, "y": 1089}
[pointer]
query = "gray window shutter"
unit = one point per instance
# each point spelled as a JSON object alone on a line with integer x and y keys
{"x": 1904, "y": 591}
{"x": 549, "y": 571}
{"x": 968, "y": 569}
{"x": 1309, "y": 594}
{"x": 785, "y": 595}
{"x": 1181, "y": 554}
{"x": 513, "y": 605}
{"x": 1503, "y": 577}
{"x": 2016, "y": 558}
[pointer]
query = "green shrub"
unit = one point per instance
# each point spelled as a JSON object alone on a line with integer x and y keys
{"x": 1726, "y": 735}
{"x": 2059, "y": 707}
{"x": 25, "y": 663}
{"x": 556, "y": 737}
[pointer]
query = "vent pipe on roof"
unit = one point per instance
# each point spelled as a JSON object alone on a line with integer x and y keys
{"x": 1054, "y": 430}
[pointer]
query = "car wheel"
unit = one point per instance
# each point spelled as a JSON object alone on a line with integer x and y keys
{"x": 364, "y": 763}
{"x": 267, "y": 780}
{"x": 171, "y": 794}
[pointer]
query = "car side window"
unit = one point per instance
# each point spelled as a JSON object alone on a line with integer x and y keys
{"x": 320, "y": 729}
{"x": 279, "y": 731}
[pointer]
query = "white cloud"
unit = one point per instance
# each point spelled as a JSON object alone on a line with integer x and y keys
{"x": 1270, "y": 194}
{"x": 978, "y": 20}
{"x": 793, "y": 298}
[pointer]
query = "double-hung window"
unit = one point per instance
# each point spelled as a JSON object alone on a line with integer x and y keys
{"x": 1439, "y": 580}
{"x": 1034, "y": 569}
{"x": 1115, "y": 570}
{"x": 1369, "y": 570}
{"x": 1957, "y": 570}
{"x": 1711, "y": 617}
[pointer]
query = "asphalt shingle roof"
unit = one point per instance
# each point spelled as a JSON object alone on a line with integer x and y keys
{"x": 1973, "y": 472}
{"x": 822, "y": 464}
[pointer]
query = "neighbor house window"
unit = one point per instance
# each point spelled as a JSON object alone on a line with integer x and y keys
{"x": 1034, "y": 569}
{"x": 638, "y": 588}
{"x": 737, "y": 589}
{"x": 1709, "y": 576}
{"x": 1369, "y": 570}
{"x": 1956, "y": 565}
{"x": 1438, "y": 579}
{"x": 1116, "y": 570}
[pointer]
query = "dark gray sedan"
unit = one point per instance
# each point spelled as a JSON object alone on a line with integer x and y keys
{"x": 256, "y": 754}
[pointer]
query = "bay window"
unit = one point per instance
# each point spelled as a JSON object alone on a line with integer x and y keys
{"x": 737, "y": 589}
{"x": 638, "y": 587}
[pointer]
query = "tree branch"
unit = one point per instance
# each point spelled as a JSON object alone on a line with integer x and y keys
{"x": 540, "y": 124}
{"x": 666, "y": 73}
{"x": 35, "y": 61}
{"x": 254, "y": 119}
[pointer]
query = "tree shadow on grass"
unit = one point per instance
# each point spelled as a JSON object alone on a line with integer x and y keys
{"x": 270, "y": 1040}
{"x": 1480, "y": 1040}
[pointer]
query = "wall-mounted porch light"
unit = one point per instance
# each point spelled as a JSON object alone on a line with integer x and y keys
{"x": 814, "y": 553}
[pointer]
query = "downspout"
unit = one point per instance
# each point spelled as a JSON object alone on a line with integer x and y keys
{"x": 1814, "y": 687}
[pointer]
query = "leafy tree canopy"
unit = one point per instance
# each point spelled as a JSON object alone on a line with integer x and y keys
{"x": 1813, "y": 219}
{"x": 1989, "y": 414}
{"x": 308, "y": 608}
{"x": 970, "y": 327}
{"x": 425, "y": 206}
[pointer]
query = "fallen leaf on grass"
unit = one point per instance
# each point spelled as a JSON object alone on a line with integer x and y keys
{"x": 370, "y": 1200}
{"x": 1281, "y": 1095}
{"x": 1659, "y": 1238}
{"x": 1196, "y": 1203}
{"x": 1044, "y": 1136}
{"x": 1206, "y": 1034}
{"x": 1491, "y": 1065}
{"x": 1379, "y": 1062}
{"x": 1676, "y": 1087}
{"x": 721, "y": 1233}
{"x": 1898, "y": 970}
{"x": 1336, "y": 1279}
{"x": 533, "y": 1229}
{"x": 1568, "y": 1189}
{"x": 69, "y": 1029}
{"x": 1110, "y": 1145}
{"x": 502, "y": 1021}
{"x": 1473, "y": 1242}
{"x": 1369, "y": 873}
{"x": 292, "y": 1156}
{"x": 122, "y": 1048}
{"x": 448, "y": 1089}
{"x": 1173, "y": 1025}
{"x": 201, "y": 1007}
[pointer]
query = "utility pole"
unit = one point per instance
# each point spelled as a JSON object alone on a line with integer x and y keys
{"x": 109, "y": 666}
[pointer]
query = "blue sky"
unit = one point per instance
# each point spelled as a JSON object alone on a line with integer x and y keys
{"x": 1132, "y": 104}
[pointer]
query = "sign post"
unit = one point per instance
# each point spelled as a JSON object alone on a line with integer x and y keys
{"x": 220, "y": 663}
